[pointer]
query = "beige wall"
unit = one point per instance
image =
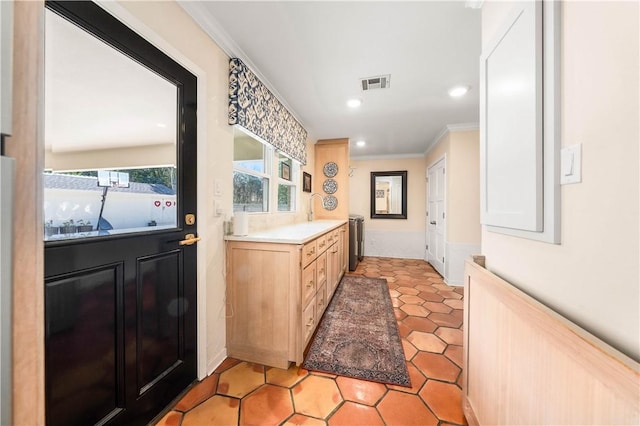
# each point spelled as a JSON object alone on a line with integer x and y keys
{"x": 592, "y": 277}
{"x": 391, "y": 237}
{"x": 463, "y": 199}
{"x": 359, "y": 196}
{"x": 462, "y": 150}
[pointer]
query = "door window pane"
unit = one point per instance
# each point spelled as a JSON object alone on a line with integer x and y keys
{"x": 104, "y": 112}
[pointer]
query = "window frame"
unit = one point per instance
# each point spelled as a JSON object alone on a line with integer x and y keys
{"x": 267, "y": 157}
{"x": 272, "y": 158}
{"x": 294, "y": 174}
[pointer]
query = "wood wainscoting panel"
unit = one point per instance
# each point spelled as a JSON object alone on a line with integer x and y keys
{"x": 526, "y": 364}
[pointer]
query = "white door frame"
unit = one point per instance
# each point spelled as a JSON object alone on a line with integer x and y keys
{"x": 442, "y": 159}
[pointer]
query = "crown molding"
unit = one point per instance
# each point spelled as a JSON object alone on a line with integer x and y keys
{"x": 461, "y": 127}
{"x": 385, "y": 157}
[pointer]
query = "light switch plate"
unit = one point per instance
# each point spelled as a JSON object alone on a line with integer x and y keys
{"x": 571, "y": 164}
{"x": 217, "y": 208}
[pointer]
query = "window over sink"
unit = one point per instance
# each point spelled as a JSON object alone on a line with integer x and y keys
{"x": 262, "y": 177}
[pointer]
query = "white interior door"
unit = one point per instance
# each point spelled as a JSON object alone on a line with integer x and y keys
{"x": 436, "y": 215}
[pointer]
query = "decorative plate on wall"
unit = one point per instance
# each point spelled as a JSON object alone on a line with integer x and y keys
{"x": 330, "y": 202}
{"x": 330, "y": 169}
{"x": 330, "y": 186}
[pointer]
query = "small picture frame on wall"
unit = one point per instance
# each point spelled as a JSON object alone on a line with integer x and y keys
{"x": 285, "y": 171}
{"x": 306, "y": 182}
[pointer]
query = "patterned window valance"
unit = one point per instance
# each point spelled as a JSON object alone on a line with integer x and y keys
{"x": 253, "y": 106}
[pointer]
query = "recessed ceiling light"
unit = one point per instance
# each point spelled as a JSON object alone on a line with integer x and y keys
{"x": 361, "y": 143}
{"x": 161, "y": 125}
{"x": 456, "y": 92}
{"x": 354, "y": 103}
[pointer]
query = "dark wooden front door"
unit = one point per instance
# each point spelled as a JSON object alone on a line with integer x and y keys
{"x": 120, "y": 308}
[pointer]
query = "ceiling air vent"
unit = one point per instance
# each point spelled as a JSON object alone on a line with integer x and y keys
{"x": 379, "y": 82}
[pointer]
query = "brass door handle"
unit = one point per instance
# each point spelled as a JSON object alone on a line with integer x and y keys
{"x": 189, "y": 239}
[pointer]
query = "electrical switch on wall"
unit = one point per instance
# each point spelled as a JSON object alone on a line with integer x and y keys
{"x": 571, "y": 164}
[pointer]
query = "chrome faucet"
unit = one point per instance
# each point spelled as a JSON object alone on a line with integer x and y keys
{"x": 310, "y": 213}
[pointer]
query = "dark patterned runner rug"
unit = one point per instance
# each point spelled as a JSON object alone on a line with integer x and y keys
{"x": 358, "y": 335}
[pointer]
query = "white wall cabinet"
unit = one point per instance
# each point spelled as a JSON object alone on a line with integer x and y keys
{"x": 519, "y": 125}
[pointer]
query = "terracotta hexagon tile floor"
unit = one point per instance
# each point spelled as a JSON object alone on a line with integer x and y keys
{"x": 217, "y": 410}
{"x": 429, "y": 315}
{"x": 241, "y": 379}
{"x": 269, "y": 405}
{"x": 316, "y": 396}
{"x": 444, "y": 399}
{"x": 352, "y": 414}
{"x": 427, "y": 341}
{"x": 286, "y": 378}
{"x": 360, "y": 391}
{"x": 299, "y": 420}
{"x": 399, "y": 408}
{"x": 205, "y": 390}
{"x": 452, "y": 336}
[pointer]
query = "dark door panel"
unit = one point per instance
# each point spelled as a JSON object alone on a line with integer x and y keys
{"x": 84, "y": 345}
{"x": 160, "y": 307}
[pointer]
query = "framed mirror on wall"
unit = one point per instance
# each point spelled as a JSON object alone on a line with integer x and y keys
{"x": 389, "y": 195}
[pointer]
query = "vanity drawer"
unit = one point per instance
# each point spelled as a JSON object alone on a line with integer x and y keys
{"x": 330, "y": 238}
{"x": 308, "y": 283}
{"x": 321, "y": 268}
{"x": 309, "y": 320}
{"x": 309, "y": 252}
{"x": 322, "y": 243}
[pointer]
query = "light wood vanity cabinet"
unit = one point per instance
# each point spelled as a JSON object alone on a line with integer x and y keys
{"x": 277, "y": 293}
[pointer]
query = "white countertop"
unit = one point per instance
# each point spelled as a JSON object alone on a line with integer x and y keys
{"x": 298, "y": 233}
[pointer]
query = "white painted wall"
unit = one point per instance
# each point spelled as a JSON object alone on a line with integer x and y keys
{"x": 391, "y": 237}
{"x": 462, "y": 234}
{"x": 593, "y": 276}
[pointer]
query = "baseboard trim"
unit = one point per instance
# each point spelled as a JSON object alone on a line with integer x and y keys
{"x": 215, "y": 361}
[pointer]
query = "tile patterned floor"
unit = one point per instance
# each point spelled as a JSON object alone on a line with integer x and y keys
{"x": 429, "y": 315}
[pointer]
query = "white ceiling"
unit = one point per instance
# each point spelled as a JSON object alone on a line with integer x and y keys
{"x": 312, "y": 55}
{"x": 98, "y": 98}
